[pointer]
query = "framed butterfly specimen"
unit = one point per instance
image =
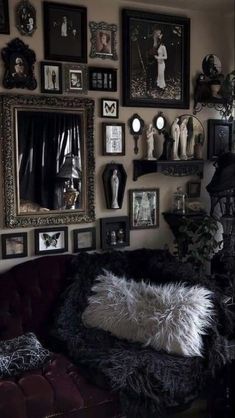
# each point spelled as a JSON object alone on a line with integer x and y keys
{"x": 113, "y": 138}
{"x": 51, "y": 240}
{"x": 109, "y": 108}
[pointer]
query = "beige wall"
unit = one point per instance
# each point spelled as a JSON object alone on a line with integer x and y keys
{"x": 210, "y": 33}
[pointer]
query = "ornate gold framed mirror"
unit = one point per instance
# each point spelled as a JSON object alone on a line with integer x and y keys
{"x": 48, "y": 160}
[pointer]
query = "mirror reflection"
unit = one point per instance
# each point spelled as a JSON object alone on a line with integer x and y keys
{"x": 136, "y": 125}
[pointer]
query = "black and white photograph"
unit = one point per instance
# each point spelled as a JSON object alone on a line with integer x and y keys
{"x": 51, "y": 77}
{"x": 103, "y": 40}
{"x": 75, "y": 78}
{"x": 65, "y": 32}
{"x": 109, "y": 108}
{"x": 14, "y": 245}
{"x": 51, "y": 240}
{"x": 84, "y": 239}
{"x": 144, "y": 208}
{"x": 113, "y": 138}
{"x": 155, "y": 59}
{"x": 4, "y": 17}
{"x": 25, "y": 18}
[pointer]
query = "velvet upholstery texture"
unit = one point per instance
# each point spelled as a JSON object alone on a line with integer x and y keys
{"x": 29, "y": 294}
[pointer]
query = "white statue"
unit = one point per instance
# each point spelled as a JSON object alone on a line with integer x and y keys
{"x": 150, "y": 142}
{"x": 114, "y": 188}
{"x": 175, "y": 133}
{"x": 183, "y": 139}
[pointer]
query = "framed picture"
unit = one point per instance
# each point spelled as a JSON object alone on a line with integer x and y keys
{"x": 75, "y": 78}
{"x": 51, "y": 240}
{"x": 102, "y": 79}
{"x": 51, "y": 77}
{"x": 156, "y": 59}
{"x": 220, "y": 137}
{"x": 114, "y": 232}
{"x": 25, "y": 18}
{"x": 144, "y": 208}
{"x": 109, "y": 108}
{"x": 113, "y": 138}
{"x": 4, "y": 17}
{"x": 65, "y": 32}
{"x": 19, "y": 62}
{"x": 193, "y": 189}
{"x": 103, "y": 40}
{"x": 14, "y": 245}
{"x": 84, "y": 239}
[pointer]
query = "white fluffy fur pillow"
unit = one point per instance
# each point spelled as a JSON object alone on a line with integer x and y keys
{"x": 170, "y": 317}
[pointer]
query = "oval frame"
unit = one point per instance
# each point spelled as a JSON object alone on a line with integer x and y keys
{"x": 9, "y": 106}
{"x": 31, "y": 14}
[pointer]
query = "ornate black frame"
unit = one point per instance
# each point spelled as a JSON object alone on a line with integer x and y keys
{"x": 9, "y": 106}
{"x": 4, "y": 238}
{"x": 66, "y": 79}
{"x": 5, "y": 27}
{"x": 31, "y": 10}
{"x": 102, "y": 26}
{"x": 48, "y": 7}
{"x": 129, "y": 16}
{"x": 17, "y": 48}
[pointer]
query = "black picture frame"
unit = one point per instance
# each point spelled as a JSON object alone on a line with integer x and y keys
{"x": 19, "y": 62}
{"x": 109, "y": 108}
{"x": 172, "y": 33}
{"x": 84, "y": 239}
{"x": 75, "y": 78}
{"x": 105, "y": 49}
{"x": 26, "y": 18}
{"x": 65, "y": 32}
{"x": 14, "y": 245}
{"x": 193, "y": 189}
{"x": 51, "y": 77}
{"x": 4, "y": 17}
{"x": 145, "y": 202}
{"x": 102, "y": 79}
{"x": 114, "y": 232}
{"x": 113, "y": 135}
{"x": 51, "y": 240}
{"x": 220, "y": 137}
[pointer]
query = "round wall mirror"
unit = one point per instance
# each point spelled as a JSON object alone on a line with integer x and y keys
{"x": 211, "y": 66}
{"x": 159, "y": 122}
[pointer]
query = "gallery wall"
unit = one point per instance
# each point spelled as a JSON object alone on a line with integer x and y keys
{"x": 210, "y": 33}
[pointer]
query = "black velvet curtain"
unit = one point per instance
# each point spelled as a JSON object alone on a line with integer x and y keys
{"x": 44, "y": 139}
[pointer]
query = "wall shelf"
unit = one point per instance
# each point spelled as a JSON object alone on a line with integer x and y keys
{"x": 169, "y": 168}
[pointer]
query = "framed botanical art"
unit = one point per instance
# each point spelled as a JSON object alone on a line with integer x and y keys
{"x": 113, "y": 138}
{"x": 75, "y": 78}
{"x": 220, "y": 137}
{"x": 84, "y": 239}
{"x": 65, "y": 32}
{"x": 51, "y": 240}
{"x": 102, "y": 79}
{"x": 144, "y": 208}
{"x": 4, "y": 17}
{"x": 109, "y": 108}
{"x": 156, "y": 59}
{"x": 103, "y": 40}
{"x": 14, "y": 245}
{"x": 51, "y": 77}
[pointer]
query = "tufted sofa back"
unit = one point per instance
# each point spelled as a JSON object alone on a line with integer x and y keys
{"x": 28, "y": 294}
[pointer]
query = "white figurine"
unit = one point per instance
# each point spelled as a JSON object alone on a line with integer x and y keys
{"x": 183, "y": 139}
{"x": 114, "y": 188}
{"x": 175, "y": 133}
{"x": 150, "y": 142}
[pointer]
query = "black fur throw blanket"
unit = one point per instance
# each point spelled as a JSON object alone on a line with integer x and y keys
{"x": 148, "y": 381}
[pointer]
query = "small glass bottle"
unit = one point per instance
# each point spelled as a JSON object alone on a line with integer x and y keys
{"x": 179, "y": 201}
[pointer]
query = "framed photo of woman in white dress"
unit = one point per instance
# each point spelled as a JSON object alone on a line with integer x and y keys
{"x": 156, "y": 53}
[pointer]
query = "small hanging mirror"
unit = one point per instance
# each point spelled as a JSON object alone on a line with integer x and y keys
{"x": 136, "y": 126}
{"x": 159, "y": 122}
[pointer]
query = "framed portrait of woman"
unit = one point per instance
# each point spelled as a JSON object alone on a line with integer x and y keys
{"x": 103, "y": 40}
{"x": 156, "y": 59}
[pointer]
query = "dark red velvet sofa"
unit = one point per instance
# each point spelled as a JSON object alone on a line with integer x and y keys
{"x": 29, "y": 293}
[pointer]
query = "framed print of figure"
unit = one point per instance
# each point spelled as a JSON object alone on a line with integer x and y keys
{"x": 144, "y": 208}
{"x": 156, "y": 59}
{"x": 51, "y": 77}
{"x": 103, "y": 40}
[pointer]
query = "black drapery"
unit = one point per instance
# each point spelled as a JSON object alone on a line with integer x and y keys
{"x": 44, "y": 139}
